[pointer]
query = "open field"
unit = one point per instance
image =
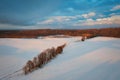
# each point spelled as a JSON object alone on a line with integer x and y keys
{"x": 94, "y": 59}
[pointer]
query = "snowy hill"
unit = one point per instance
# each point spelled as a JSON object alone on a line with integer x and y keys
{"x": 94, "y": 59}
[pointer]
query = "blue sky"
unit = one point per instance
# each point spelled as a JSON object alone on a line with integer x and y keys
{"x": 59, "y": 14}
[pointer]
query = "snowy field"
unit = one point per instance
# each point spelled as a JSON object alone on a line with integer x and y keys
{"x": 94, "y": 59}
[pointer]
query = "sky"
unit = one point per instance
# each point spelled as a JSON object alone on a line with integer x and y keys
{"x": 59, "y": 14}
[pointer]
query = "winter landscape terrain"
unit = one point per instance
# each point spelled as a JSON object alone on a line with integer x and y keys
{"x": 94, "y": 59}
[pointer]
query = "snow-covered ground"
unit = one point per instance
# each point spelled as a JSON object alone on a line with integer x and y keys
{"x": 94, "y": 59}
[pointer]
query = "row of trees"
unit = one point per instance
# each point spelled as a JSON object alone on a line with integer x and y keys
{"x": 43, "y": 58}
{"x": 111, "y": 32}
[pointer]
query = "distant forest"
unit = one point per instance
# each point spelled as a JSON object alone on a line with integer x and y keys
{"x": 109, "y": 32}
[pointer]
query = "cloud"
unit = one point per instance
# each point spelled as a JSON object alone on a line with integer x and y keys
{"x": 64, "y": 19}
{"x": 117, "y": 7}
{"x": 78, "y": 21}
{"x": 91, "y": 14}
{"x": 58, "y": 19}
{"x": 48, "y": 21}
{"x": 100, "y": 21}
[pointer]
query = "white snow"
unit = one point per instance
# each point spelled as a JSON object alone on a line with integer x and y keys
{"x": 94, "y": 59}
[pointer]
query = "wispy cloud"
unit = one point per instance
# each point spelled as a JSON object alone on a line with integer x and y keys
{"x": 91, "y": 14}
{"x": 100, "y": 21}
{"x": 59, "y": 19}
{"x": 115, "y": 8}
{"x": 63, "y": 19}
{"x": 82, "y": 20}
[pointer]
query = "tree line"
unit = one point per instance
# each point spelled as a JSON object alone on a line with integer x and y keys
{"x": 110, "y": 32}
